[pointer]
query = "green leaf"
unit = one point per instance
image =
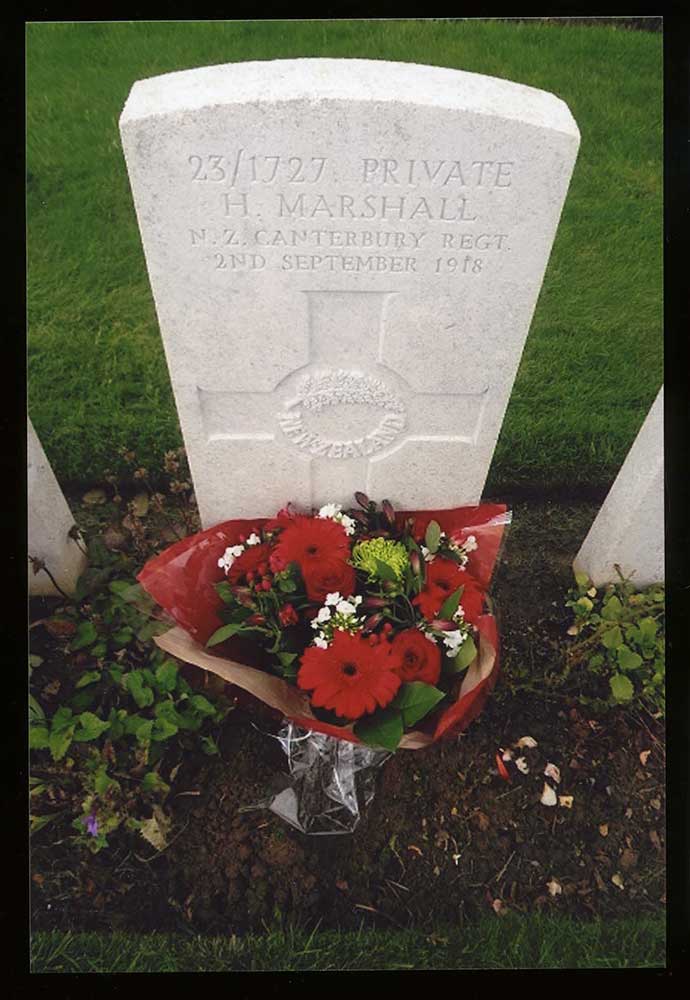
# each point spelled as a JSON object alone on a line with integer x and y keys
{"x": 166, "y": 675}
{"x": 116, "y": 673}
{"x": 621, "y": 687}
{"x": 145, "y": 731}
{"x": 122, "y": 637}
{"x": 415, "y": 700}
{"x": 432, "y": 536}
{"x": 38, "y": 738}
{"x": 59, "y": 741}
{"x": 89, "y": 677}
{"x": 385, "y": 572}
{"x": 286, "y": 658}
{"x": 85, "y": 635}
{"x": 99, "y": 650}
{"x": 102, "y": 782}
{"x": 90, "y": 727}
{"x": 450, "y": 605}
{"x": 464, "y": 656}
{"x": 627, "y": 659}
{"x": 286, "y": 585}
{"x": 612, "y": 609}
{"x": 38, "y": 822}
{"x": 122, "y": 588}
{"x": 35, "y": 710}
{"x": 152, "y": 782}
{"x": 582, "y": 580}
{"x": 383, "y": 730}
{"x": 583, "y": 605}
{"x": 612, "y": 637}
{"x": 35, "y": 660}
{"x": 147, "y": 632}
{"x": 649, "y": 628}
{"x": 163, "y": 728}
{"x": 223, "y": 633}
{"x": 62, "y": 719}
{"x": 202, "y": 705}
{"x": 142, "y": 694}
{"x": 209, "y": 745}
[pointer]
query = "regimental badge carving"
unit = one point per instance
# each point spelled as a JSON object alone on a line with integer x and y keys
{"x": 331, "y": 399}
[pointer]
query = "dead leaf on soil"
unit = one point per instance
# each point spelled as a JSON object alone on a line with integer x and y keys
{"x": 555, "y": 888}
{"x": 114, "y": 539}
{"x": 94, "y": 497}
{"x": 548, "y": 796}
{"x": 551, "y": 771}
{"x": 521, "y": 765}
{"x": 59, "y": 627}
{"x": 628, "y": 858}
{"x": 566, "y": 801}
{"x": 654, "y": 837}
{"x": 499, "y": 907}
{"x": 481, "y": 820}
{"x": 604, "y": 829}
{"x": 573, "y": 630}
{"x": 628, "y": 813}
{"x": 413, "y": 847}
{"x": 140, "y": 505}
{"x": 644, "y": 757}
{"x": 655, "y": 804}
{"x": 618, "y": 881}
{"x": 506, "y": 754}
{"x": 526, "y": 741}
{"x": 156, "y": 829}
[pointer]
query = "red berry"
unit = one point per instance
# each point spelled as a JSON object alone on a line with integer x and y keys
{"x": 265, "y": 584}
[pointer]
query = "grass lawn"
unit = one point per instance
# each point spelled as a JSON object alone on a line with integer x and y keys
{"x": 497, "y": 943}
{"x": 593, "y": 360}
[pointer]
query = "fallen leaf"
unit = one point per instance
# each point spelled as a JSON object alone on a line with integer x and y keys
{"x": 628, "y": 813}
{"x": 481, "y": 820}
{"x": 551, "y": 771}
{"x": 114, "y": 539}
{"x": 604, "y": 829}
{"x": 654, "y": 837}
{"x": 573, "y": 630}
{"x": 644, "y": 757}
{"x": 437, "y": 870}
{"x": 499, "y": 907}
{"x": 618, "y": 881}
{"x": 155, "y": 830}
{"x": 413, "y": 847}
{"x": 38, "y": 879}
{"x": 526, "y": 741}
{"x": 59, "y": 627}
{"x": 566, "y": 801}
{"x": 506, "y": 754}
{"x": 93, "y": 497}
{"x": 592, "y": 592}
{"x": 548, "y": 796}
{"x": 554, "y": 887}
{"x": 454, "y": 811}
{"x": 521, "y": 765}
{"x": 140, "y": 505}
{"x": 655, "y": 804}
{"x": 628, "y": 858}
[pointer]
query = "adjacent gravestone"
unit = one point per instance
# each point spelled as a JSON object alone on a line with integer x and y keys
{"x": 50, "y": 521}
{"x": 345, "y": 257}
{"x": 629, "y": 528}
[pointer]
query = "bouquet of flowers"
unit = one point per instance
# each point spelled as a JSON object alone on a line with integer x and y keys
{"x": 367, "y": 625}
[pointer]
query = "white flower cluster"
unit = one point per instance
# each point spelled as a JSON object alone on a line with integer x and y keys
{"x": 454, "y": 640}
{"x": 335, "y": 513}
{"x": 234, "y": 551}
{"x": 337, "y": 613}
{"x": 461, "y": 549}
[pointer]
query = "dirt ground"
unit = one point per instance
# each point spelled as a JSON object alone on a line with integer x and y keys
{"x": 446, "y": 837}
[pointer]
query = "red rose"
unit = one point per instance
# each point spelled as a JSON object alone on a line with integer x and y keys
{"x": 248, "y": 562}
{"x": 350, "y": 676}
{"x": 328, "y": 576}
{"x": 287, "y": 615}
{"x": 443, "y": 577}
{"x": 419, "y": 657}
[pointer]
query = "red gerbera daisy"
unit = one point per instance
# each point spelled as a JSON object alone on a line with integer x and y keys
{"x": 443, "y": 577}
{"x": 306, "y": 540}
{"x": 350, "y": 676}
{"x": 249, "y": 562}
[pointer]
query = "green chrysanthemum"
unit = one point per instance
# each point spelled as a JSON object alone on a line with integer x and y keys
{"x": 366, "y": 556}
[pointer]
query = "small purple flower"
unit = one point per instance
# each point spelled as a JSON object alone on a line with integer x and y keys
{"x": 92, "y": 825}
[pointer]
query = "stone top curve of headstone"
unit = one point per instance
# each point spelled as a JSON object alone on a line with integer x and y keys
{"x": 346, "y": 79}
{"x": 345, "y": 257}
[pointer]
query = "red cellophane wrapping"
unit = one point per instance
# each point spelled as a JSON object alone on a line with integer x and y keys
{"x": 181, "y": 580}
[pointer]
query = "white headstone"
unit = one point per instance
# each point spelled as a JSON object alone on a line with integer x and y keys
{"x": 345, "y": 257}
{"x": 629, "y": 528}
{"x": 50, "y": 521}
